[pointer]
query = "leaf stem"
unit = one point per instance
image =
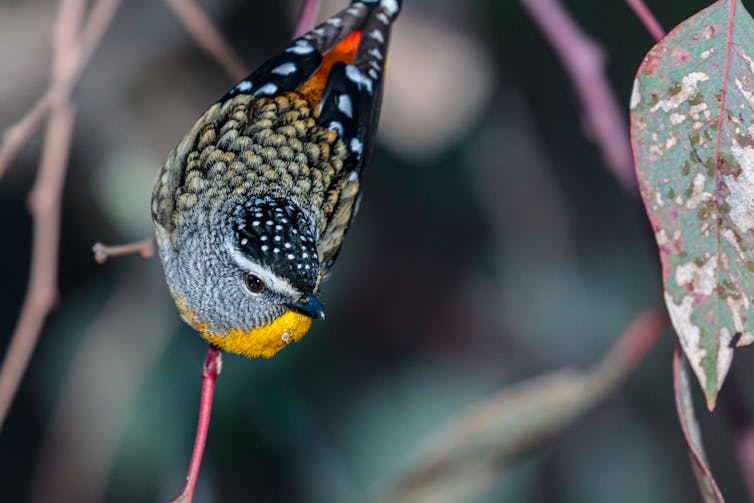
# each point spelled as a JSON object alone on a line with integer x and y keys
{"x": 648, "y": 19}
{"x": 584, "y": 62}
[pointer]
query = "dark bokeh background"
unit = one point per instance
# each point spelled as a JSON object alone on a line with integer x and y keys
{"x": 492, "y": 245}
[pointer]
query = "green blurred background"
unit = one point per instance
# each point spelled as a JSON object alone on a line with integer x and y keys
{"x": 492, "y": 245}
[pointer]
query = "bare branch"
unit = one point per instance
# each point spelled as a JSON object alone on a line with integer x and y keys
{"x": 583, "y": 60}
{"x": 64, "y": 77}
{"x": 647, "y": 18}
{"x": 45, "y": 196}
{"x": 44, "y": 202}
{"x": 469, "y": 454}
{"x": 209, "y": 37}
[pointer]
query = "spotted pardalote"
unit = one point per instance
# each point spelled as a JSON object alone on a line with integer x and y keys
{"x": 251, "y": 207}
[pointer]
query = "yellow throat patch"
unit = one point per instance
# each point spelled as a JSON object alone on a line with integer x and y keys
{"x": 260, "y": 341}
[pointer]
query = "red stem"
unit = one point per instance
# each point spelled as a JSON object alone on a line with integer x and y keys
{"x": 212, "y": 366}
{"x": 306, "y": 20}
{"x": 647, "y": 18}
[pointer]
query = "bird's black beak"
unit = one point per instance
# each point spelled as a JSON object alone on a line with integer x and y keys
{"x": 310, "y": 306}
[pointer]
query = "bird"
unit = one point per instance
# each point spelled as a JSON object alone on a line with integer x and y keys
{"x": 252, "y": 206}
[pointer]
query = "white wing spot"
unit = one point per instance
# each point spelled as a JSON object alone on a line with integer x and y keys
{"x": 357, "y": 146}
{"x": 301, "y": 47}
{"x": 336, "y": 126}
{"x": 345, "y": 105}
{"x": 357, "y": 77}
{"x": 377, "y": 35}
{"x": 375, "y": 53}
{"x": 244, "y": 86}
{"x": 266, "y": 90}
{"x": 391, "y": 6}
{"x": 284, "y": 69}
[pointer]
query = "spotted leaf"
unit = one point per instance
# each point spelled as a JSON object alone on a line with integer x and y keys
{"x": 692, "y": 111}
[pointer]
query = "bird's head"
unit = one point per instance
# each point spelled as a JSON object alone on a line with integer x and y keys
{"x": 246, "y": 279}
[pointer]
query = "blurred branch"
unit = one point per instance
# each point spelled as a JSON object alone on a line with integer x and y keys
{"x": 70, "y": 53}
{"x": 41, "y": 294}
{"x": 684, "y": 403}
{"x": 470, "y": 453}
{"x": 213, "y": 364}
{"x": 144, "y": 248}
{"x": 307, "y": 18}
{"x": 209, "y": 37}
{"x": 64, "y": 77}
{"x": 584, "y": 63}
{"x": 647, "y": 18}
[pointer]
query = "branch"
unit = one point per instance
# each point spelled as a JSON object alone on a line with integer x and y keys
{"x": 144, "y": 248}
{"x": 69, "y": 58}
{"x": 209, "y": 38}
{"x": 470, "y": 453}
{"x": 62, "y": 82}
{"x": 647, "y": 18}
{"x": 307, "y": 18}
{"x": 213, "y": 364}
{"x": 584, "y": 63}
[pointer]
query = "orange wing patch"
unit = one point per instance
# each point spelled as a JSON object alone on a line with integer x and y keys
{"x": 344, "y": 52}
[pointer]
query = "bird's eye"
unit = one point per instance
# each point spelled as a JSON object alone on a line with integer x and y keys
{"x": 253, "y": 283}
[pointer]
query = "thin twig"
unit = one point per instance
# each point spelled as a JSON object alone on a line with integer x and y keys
{"x": 583, "y": 60}
{"x": 144, "y": 248}
{"x": 648, "y": 19}
{"x": 45, "y": 197}
{"x": 44, "y": 205}
{"x": 307, "y": 18}
{"x": 209, "y": 37}
{"x": 213, "y": 364}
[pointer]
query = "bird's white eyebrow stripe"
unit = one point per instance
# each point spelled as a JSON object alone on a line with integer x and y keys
{"x": 273, "y": 281}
